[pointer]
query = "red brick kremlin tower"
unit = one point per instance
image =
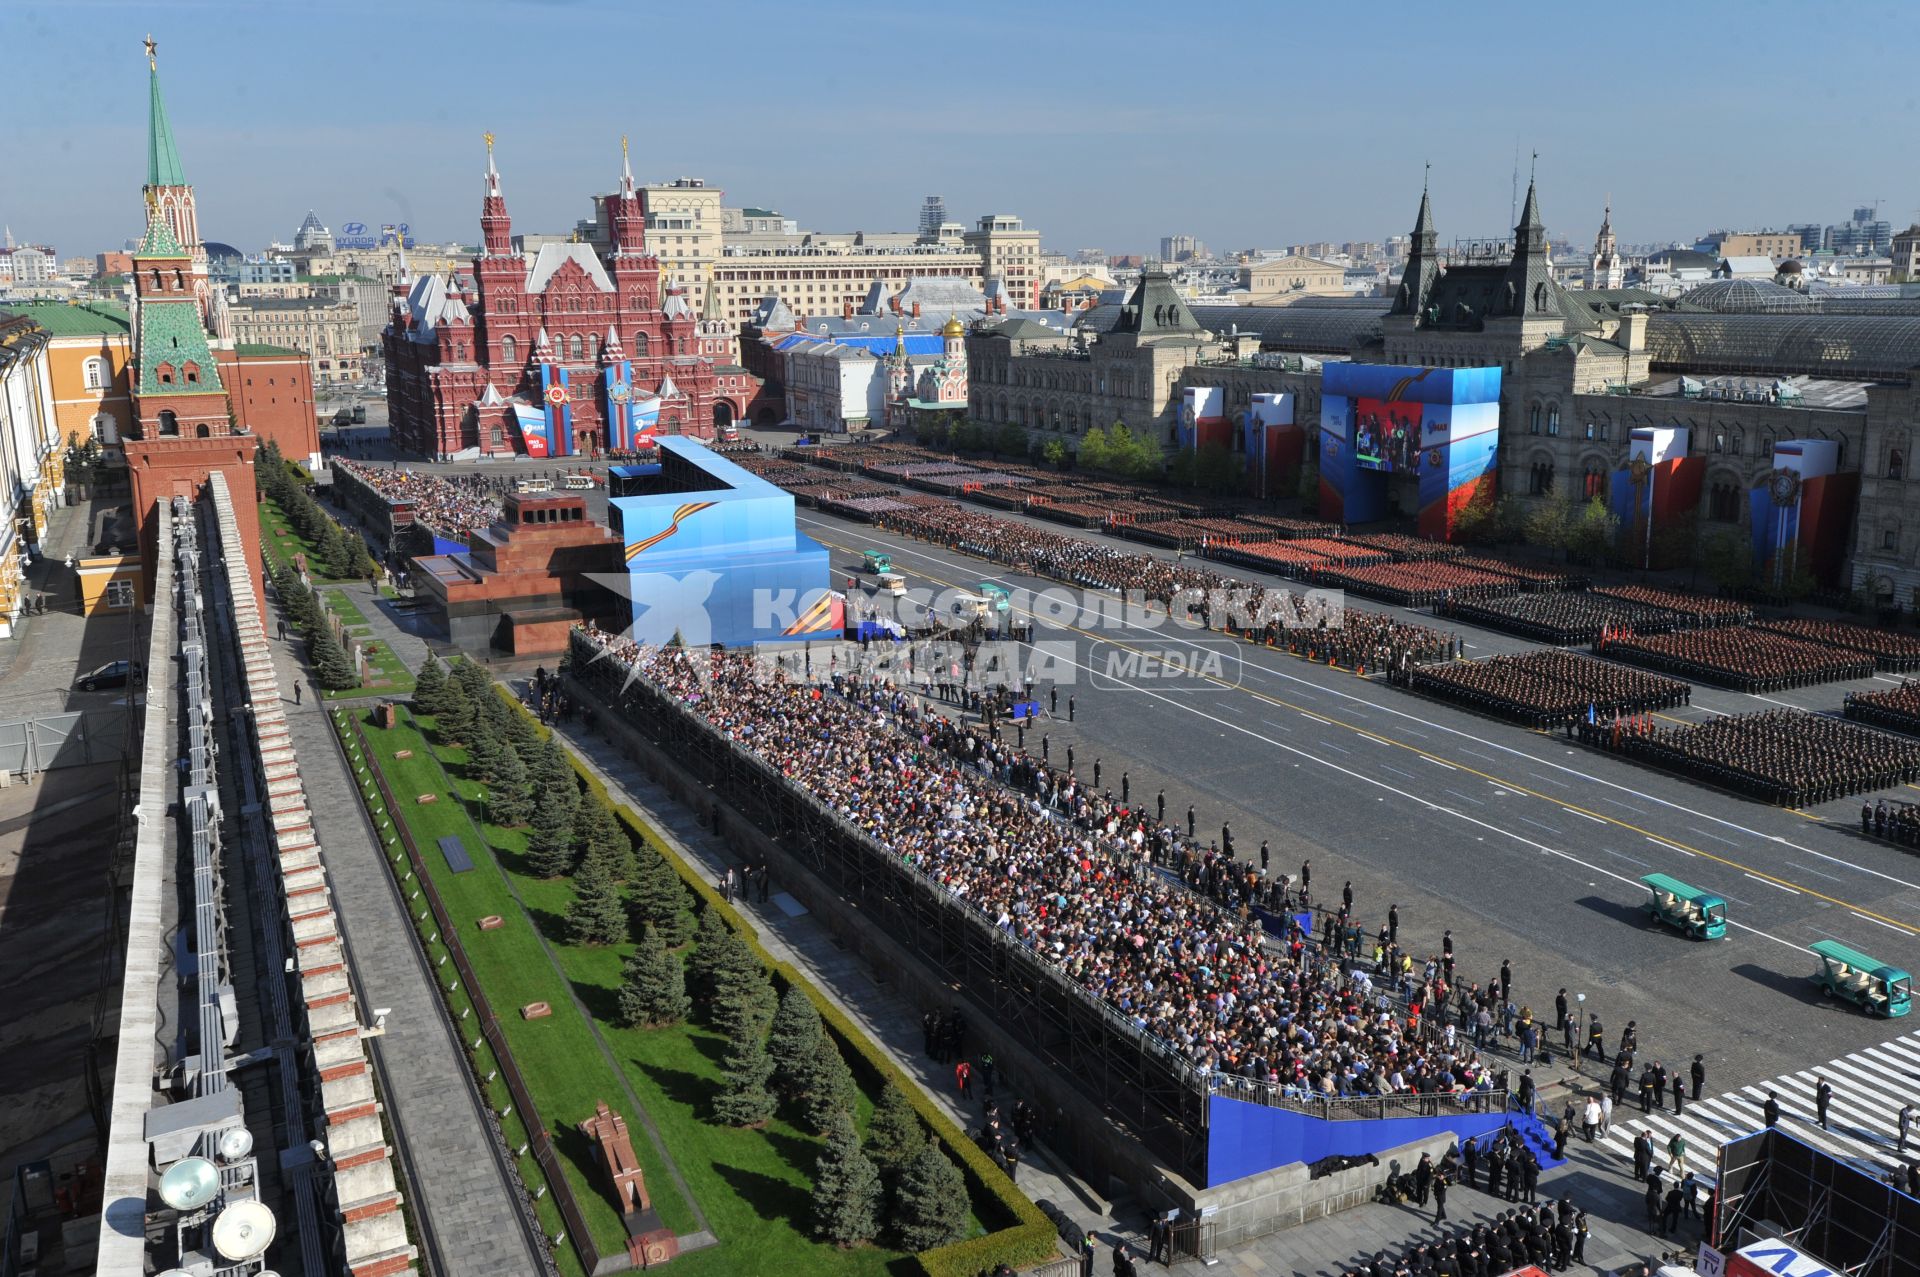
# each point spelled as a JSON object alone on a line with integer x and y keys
{"x": 513, "y": 357}
{"x": 184, "y": 428}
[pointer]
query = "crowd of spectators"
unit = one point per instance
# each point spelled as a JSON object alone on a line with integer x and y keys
{"x": 1783, "y": 756}
{"x": 1125, "y": 906}
{"x": 1744, "y": 658}
{"x": 1546, "y": 688}
{"x": 1561, "y": 618}
{"x": 454, "y": 506}
{"x": 1892, "y": 652}
{"x": 1693, "y": 611}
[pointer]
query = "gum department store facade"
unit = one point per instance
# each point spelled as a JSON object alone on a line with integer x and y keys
{"x": 1741, "y": 364}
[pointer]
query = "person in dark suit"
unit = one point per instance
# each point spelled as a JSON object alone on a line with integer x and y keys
{"x": 1771, "y": 1110}
{"x": 1699, "y": 1072}
{"x": 1822, "y": 1097}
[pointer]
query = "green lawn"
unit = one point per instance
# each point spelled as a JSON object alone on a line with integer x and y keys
{"x": 344, "y": 609}
{"x": 558, "y": 1056}
{"x": 283, "y": 542}
{"x": 752, "y": 1185}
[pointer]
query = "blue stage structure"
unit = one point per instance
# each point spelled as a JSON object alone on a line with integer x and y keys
{"x": 713, "y": 555}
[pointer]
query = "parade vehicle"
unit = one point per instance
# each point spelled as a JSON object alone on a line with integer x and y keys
{"x": 970, "y": 606}
{"x": 1698, "y": 914}
{"x": 878, "y": 562}
{"x": 997, "y": 595}
{"x": 533, "y": 485}
{"x": 1878, "y": 989}
{"x": 891, "y": 583}
{"x": 576, "y": 482}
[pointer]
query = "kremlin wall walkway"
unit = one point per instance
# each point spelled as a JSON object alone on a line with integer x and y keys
{"x": 457, "y": 1186}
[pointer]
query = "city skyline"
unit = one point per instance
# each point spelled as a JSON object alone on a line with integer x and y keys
{"x": 1166, "y": 143}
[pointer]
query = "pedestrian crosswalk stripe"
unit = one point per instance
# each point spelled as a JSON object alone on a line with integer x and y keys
{"x": 1863, "y": 1117}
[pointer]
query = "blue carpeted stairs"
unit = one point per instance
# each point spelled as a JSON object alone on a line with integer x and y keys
{"x": 1535, "y": 1134}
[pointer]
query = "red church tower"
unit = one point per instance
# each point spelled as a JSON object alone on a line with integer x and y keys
{"x": 509, "y": 358}
{"x": 184, "y": 427}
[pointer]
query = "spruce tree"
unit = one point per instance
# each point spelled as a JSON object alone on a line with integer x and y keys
{"x": 429, "y": 685}
{"x": 894, "y": 1133}
{"x": 485, "y": 751}
{"x": 522, "y": 734}
{"x": 743, "y": 1001}
{"x": 830, "y": 1088}
{"x": 600, "y": 836}
{"x": 653, "y": 987}
{"x": 710, "y": 938}
{"x": 364, "y": 567}
{"x": 794, "y": 1040}
{"x": 661, "y": 898}
{"x": 555, "y": 776}
{"x": 330, "y": 664}
{"x": 846, "y": 1189}
{"x": 596, "y": 916}
{"x": 336, "y": 551}
{"x": 744, "y": 1099}
{"x": 454, "y": 723}
{"x": 550, "y": 841}
{"x": 490, "y": 709}
{"x": 509, "y": 804}
{"x": 474, "y": 680}
{"x": 929, "y": 1206}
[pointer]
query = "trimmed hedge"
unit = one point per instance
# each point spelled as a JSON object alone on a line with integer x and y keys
{"x": 1025, "y": 1236}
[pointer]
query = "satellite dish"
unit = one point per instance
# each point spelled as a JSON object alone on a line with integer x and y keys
{"x": 189, "y": 1183}
{"x": 235, "y": 1143}
{"x": 243, "y": 1230}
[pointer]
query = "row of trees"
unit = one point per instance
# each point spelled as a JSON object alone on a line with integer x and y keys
{"x": 897, "y": 1183}
{"x": 531, "y": 784}
{"x": 332, "y": 667}
{"x": 337, "y": 553}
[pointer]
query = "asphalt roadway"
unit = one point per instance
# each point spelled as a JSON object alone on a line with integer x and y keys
{"x": 1527, "y": 846}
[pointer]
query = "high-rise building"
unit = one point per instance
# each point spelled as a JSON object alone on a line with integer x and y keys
{"x": 1180, "y": 248}
{"x": 312, "y": 236}
{"x": 933, "y": 214}
{"x": 1866, "y": 235}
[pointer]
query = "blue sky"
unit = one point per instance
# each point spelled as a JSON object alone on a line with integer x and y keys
{"x": 1104, "y": 125}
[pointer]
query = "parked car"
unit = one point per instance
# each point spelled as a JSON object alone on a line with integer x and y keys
{"x": 112, "y": 674}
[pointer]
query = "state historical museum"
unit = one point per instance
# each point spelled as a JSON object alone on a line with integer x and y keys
{"x": 574, "y": 351}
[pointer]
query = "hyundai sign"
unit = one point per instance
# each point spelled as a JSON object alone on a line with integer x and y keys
{"x": 361, "y": 235}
